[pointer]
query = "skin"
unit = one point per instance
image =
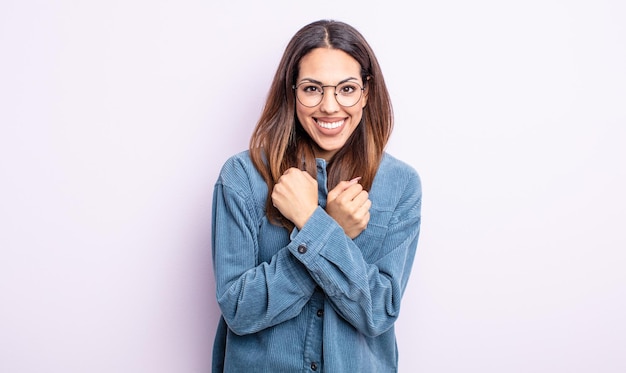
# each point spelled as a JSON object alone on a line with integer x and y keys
{"x": 329, "y": 66}
{"x": 295, "y": 193}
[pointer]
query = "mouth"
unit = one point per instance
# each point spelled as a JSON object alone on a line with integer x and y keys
{"x": 330, "y": 125}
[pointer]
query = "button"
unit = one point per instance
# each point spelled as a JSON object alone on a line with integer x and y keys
{"x": 302, "y": 249}
{"x": 320, "y": 313}
{"x": 314, "y": 366}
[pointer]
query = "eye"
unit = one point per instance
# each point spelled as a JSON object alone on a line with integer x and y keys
{"x": 311, "y": 88}
{"x": 347, "y": 89}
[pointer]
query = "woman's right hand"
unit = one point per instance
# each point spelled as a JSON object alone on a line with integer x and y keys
{"x": 295, "y": 196}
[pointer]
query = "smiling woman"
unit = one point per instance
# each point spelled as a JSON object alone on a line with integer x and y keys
{"x": 315, "y": 226}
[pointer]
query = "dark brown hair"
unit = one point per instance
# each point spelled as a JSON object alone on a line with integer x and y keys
{"x": 279, "y": 142}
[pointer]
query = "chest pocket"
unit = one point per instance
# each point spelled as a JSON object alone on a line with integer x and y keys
{"x": 370, "y": 241}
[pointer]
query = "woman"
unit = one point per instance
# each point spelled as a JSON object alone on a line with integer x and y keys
{"x": 315, "y": 227}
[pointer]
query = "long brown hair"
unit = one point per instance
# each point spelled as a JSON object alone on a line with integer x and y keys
{"x": 279, "y": 142}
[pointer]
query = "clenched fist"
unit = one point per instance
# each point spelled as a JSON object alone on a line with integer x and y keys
{"x": 295, "y": 196}
{"x": 350, "y": 206}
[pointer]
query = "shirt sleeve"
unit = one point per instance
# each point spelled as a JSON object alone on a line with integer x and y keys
{"x": 252, "y": 296}
{"x": 366, "y": 293}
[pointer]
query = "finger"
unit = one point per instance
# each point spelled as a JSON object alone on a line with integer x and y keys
{"x": 337, "y": 190}
{"x": 343, "y": 185}
{"x": 363, "y": 213}
{"x": 351, "y": 192}
{"x": 289, "y": 177}
{"x": 361, "y": 198}
{"x": 297, "y": 174}
{"x": 367, "y": 205}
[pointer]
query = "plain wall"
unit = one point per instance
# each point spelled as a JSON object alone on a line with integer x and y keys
{"x": 115, "y": 118}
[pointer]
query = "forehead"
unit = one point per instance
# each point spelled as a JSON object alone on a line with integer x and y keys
{"x": 328, "y": 66}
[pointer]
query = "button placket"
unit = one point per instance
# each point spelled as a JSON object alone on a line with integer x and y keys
{"x": 313, "y": 355}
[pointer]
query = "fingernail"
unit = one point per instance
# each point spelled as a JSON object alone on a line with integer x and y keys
{"x": 356, "y": 179}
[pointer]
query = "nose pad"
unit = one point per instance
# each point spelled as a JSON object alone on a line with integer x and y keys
{"x": 329, "y": 103}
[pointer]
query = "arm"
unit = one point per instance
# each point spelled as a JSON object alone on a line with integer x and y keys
{"x": 365, "y": 292}
{"x": 252, "y": 296}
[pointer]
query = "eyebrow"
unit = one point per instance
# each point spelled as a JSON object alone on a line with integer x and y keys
{"x": 320, "y": 83}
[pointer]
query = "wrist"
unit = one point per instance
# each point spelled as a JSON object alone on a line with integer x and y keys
{"x": 304, "y": 218}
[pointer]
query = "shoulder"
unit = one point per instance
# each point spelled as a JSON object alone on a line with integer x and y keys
{"x": 397, "y": 188}
{"x": 393, "y": 173}
{"x": 240, "y": 174}
{"x": 236, "y": 161}
{"x": 396, "y": 193}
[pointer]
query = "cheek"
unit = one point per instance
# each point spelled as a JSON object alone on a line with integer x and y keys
{"x": 357, "y": 114}
{"x": 301, "y": 113}
{"x": 304, "y": 117}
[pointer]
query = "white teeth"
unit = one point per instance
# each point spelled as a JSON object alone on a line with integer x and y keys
{"x": 330, "y": 125}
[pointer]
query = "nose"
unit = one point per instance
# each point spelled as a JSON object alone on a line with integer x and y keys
{"x": 329, "y": 102}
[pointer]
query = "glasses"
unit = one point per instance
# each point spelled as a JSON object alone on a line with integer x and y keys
{"x": 310, "y": 94}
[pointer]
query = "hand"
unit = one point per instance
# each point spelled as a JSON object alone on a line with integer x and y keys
{"x": 350, "y": 206}
{"x": 295, "y": 196}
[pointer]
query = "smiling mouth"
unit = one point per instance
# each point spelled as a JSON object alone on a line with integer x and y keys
{"x": 330, "y": 125}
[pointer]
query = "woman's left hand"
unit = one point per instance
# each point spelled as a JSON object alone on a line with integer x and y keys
{"x": 349, "y": 205}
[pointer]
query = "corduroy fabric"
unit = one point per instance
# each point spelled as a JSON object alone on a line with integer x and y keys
{"x": 311, "y": 300}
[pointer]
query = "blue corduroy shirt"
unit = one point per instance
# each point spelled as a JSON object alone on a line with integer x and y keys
{"x": 311, "y": 300}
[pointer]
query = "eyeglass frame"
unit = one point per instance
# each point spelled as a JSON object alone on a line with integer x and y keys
{"x": 294, "y": 87}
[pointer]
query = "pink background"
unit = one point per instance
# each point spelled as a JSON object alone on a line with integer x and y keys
{"x": 115, "y": 117}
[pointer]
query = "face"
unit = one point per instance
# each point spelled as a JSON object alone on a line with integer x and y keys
{"x": 330, "y": 124}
